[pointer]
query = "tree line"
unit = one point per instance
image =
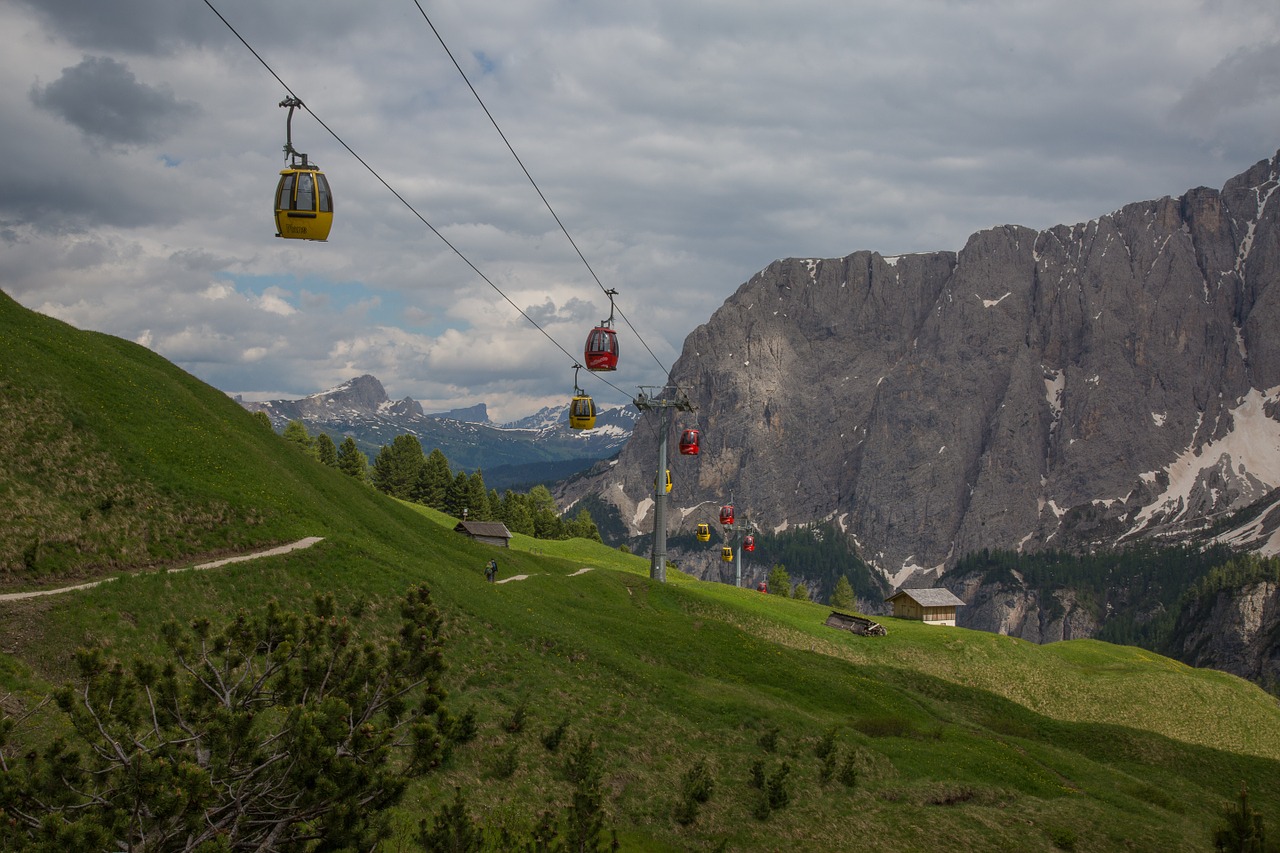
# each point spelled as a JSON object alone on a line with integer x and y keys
{"x": 402, "y": 470}
{"x": 1137, "y": 593}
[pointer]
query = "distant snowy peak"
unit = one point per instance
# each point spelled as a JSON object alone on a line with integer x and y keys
{"x": 401, "y": 408}
{"x": 362, "y": 393}
{"x": 477, "y": 414}
{"x": 361, "y": 410}
{"x": 618, "y": 417}
{"x": 545, "y": 418}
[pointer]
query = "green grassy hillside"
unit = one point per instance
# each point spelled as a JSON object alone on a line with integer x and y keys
{"x": 123, "y": 465}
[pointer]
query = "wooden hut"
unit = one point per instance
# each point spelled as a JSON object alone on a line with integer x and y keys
{"x": 488, "y": 532}
{"x": 931, "y": 606}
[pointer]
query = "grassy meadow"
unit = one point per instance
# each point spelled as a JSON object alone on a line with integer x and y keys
{"x": 123, "y": 466}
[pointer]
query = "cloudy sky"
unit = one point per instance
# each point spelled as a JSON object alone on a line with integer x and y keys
{"x": 684, "y": 144}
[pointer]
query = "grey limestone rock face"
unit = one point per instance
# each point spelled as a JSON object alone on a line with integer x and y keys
{"x": 1014, "y": 610}
{"x": 1237, "y": 631}
{"x": 1084, "y": 385}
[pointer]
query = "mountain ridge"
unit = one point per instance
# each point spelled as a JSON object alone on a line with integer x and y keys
{"x": 360, "y": 408}
{"x": 1084, "y": 388}
{"x": 1080, "y": 386}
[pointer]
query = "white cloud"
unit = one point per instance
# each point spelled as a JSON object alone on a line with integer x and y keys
{"x": 684, "y": 147}
{"x": 274, "y": 301}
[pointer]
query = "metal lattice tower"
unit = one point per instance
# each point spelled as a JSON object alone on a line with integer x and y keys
{"x": 663, "y": 401}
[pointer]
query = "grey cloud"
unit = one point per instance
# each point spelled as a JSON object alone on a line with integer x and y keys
{"x": 574, "y": 310}
{"x": 685, "y": 146}
{"x": 141, "y": 26}
{"x": 103, "y": 98}
{"x": 164, "y": 27}
{"x": 1242, "y": 80}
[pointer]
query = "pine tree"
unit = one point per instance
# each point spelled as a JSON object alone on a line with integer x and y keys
{"x": 842, "y": 595}
{"x": 546, "y": 516}
{"x": 396, "y": 467}
{"x": 779, "y": 581}
{"x": 326, "y": 450}
{"x": 801, "y": 591}
{"x": 477, "y": 498}
{"x": 351, "y": 460}
{"x": 514, "y": 512}
{"x": 263, "y": 418}
{"x": 1243, "y": 831}
{"x": 457, "y": 495}
{"x": 433, "y": 480}
{"x": 583, "y": 526}
{"x": 296, "y": 431}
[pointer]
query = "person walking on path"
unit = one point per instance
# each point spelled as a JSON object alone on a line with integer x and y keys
{"x": 491, "y": 571}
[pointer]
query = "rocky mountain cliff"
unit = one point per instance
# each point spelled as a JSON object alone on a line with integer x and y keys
{"x": 360, "y": 408}
{"x": 1083, "y": 386}
{"x": 1030, "y": 614}
{"x": 1235, "y": 630}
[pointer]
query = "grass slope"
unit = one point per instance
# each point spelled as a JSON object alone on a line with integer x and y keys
{"x": 960, "y": 740}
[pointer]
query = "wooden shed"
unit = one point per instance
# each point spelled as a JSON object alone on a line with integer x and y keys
{"x": 931, "y": 606}
{"x": 488, "y": 532}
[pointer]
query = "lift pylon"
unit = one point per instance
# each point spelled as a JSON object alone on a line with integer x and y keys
{"x": 663, "y": 401}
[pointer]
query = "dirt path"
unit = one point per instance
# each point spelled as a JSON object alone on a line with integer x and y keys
{"x": 581, "y": 571}
{"x": 216, "y": 564}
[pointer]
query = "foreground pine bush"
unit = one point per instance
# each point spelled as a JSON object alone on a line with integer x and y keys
{"x": 277, "y": 731}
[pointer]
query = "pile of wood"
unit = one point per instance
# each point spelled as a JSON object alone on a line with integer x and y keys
{"x": 857, "y": 624}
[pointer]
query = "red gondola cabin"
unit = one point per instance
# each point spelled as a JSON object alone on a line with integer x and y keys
{"x": 689, "y": 442}
{"x": 601, "y": 351}
{"x": 749, "y": 544}
{"x": 726, "y": 515}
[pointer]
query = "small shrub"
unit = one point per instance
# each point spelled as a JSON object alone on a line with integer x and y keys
{"x": 696, "y": 787}
{"x": 769, "y": 739}
{"x": 585, "y": 817}
{"x": 508, "y": 761}
{"x": 827, "y": 744}
{"x": 828, "y": 766}
{"x": 453, "y": 829}
{"x": 686, "y": 811}
{"x": 519, "y": 714}
{"x": 552, "y": 737}
{"x": 458, "y": 730}
{"x": 582, "y": 763}
{"x": 1064, "y": 838}
{"x": 777, "y": 787}
{"x": 1242, "y": 827}
{"x": 697, "y": 784}
{"x": 849, "y": 770}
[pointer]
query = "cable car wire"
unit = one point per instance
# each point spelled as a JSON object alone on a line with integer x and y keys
{"x": 401, "y": 198}
{"x": 666, "y": 370}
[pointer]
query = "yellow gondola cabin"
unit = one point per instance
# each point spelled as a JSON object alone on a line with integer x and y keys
{"x": 304, "y": 203}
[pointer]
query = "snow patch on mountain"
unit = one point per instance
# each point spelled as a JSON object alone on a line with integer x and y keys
{"x": 1244, "y": 463}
